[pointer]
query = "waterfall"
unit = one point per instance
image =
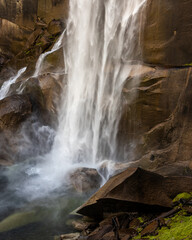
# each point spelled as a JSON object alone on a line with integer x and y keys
{"x": 90, "y": 113}
{"x": 99, "y": 35}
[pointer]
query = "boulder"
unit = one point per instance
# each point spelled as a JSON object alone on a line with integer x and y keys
{"x": 14, "y": 110}
{"x": 85, "y": 179}
{"x": 55, "y": 27}
{"x": 135, "y": 190}
{"x": 51, "y": 87}
{"x": 166, "y": 32}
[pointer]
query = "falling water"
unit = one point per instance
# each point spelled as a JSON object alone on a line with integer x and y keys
{"x": 99, "y": 36}
{"x": 6, "y": 85}
{"x": 89, "y": 117}
{"x": 42, "y": 57}
{"x": 100, "y": 33}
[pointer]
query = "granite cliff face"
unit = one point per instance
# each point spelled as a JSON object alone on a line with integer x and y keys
{"x": 157, "y": 125}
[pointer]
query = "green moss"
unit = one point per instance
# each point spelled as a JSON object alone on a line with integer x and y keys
{"x": 184, "y": 195}
{"x": 141, "y": 219}
{"x": 180, "y": 228}
{"x": 39, "y": 44}
{"x": 188, "y": 64}
{"x": 28, "y": 52}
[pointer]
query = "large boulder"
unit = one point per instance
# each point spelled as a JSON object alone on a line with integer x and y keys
{"x": 14, "y": 110}
{"x": 166, "y": 33}
{"x": 135, "y": 190}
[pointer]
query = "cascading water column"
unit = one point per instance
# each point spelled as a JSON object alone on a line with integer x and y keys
{"x": 100, "y": 33}
{"x": 90, "y": 112}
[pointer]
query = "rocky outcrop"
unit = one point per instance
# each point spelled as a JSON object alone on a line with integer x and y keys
{"x": 51, "y": 86}
{"x": 14, "y": 110}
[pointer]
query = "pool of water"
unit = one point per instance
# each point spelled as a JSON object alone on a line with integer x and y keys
{"x": 41, "y": 218}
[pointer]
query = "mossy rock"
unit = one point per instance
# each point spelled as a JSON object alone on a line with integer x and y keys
{"x": 180, "y": 227}
{"x": 185, "y": 196}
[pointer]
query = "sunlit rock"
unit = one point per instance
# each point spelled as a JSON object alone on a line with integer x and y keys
{"x": 55, "y": 27}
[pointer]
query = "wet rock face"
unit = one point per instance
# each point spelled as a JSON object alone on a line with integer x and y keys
{"x": 156, "y": 126}
{"x": 14, "y": 110}
{"x": 25, "y": 12}
{"x": 166, "y": 38}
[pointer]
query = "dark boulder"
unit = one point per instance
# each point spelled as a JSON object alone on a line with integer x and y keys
{"x": 135, "y": 190}
{"x": 14, "y": 110}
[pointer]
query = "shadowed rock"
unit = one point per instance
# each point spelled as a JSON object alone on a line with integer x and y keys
{"x": 14, "y": 110}
{"x": 135, "y": 190}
